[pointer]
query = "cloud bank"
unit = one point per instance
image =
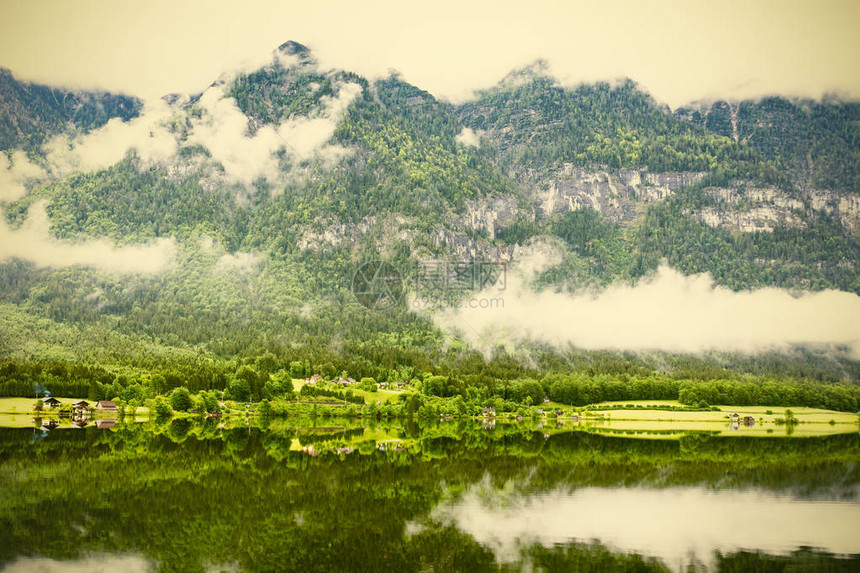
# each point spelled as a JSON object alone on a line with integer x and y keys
{"x": 33, "y": 242}
{"x": 223, "y": 130}
{"x": 148, "y": 134}
{"x": 666, "y": 312}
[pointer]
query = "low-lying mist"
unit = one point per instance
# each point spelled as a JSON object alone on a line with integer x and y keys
{"x": 666, "y": 311}
{"x": 34, "y": 243}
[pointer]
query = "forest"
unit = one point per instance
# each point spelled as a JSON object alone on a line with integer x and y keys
{"x": 401, "y": 193}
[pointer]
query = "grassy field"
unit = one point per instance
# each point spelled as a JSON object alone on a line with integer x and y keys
{"x": 804, "y": 415}
{"x": 25, "y": 405}
{"x": 381, "y": 396}
{"x": 651, "y": 423}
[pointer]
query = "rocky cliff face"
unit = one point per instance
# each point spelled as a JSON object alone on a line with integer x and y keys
{"x": 619, "y": 195}
{"x": 764, "y": 209}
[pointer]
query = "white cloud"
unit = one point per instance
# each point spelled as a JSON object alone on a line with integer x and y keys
{"x": 468, "y": 138}
{"x": 15, "y": 174}
{"x": 223, "y": 130}
{"x": 241, "y": 262}
{"x": 148, "y": 134}
{"x": 668, "y": 312}
{"x": 34, "y": 243}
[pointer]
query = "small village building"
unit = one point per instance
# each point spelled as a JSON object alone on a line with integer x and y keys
{"x": 107, "y": 406}
{"x": 749, "y": 421}
{"x": 50, "y": 402}
{"x": 734, "y": 417}
{"x": 80, "y": 406}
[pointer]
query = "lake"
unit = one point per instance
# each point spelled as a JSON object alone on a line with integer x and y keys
{"x": 351, "y": 495}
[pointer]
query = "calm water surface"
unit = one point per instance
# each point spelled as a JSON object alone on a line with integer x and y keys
{"x": 341, "y": 495}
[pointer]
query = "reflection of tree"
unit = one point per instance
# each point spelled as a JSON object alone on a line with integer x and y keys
{"x": 187, "y": 494}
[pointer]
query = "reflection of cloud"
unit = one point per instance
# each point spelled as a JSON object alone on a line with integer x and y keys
{"x": 674, "y": 524}
{"x": 14, "y": 175}
{"x": 223, "y": 130}
{"x": 89, "y": 564}
{"x": 468, "y": 138}
{"x": 34, "y": 243}
{"x": 668, "y": 311}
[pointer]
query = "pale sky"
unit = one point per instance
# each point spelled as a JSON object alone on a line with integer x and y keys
{"x": 678, "y": 50}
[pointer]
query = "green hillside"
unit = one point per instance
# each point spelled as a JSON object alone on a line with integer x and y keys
{"x": 404, "y": 190}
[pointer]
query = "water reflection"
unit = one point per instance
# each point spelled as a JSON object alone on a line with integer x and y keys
{"x": 680, "y": 526}
{"x": 347, "y": 495}
{"x": 89, "y": 564}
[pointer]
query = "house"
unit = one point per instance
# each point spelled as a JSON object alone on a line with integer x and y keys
{"x": 749, "y": 421}
{"x": 401, "y": 384}
{"x": 50, "y": 402}
{"x": 489, "y": 411}
{"x": 313, "y": 379}
{"x": 734, "y": 416}
{"x": 383, "y": 385}
{"x": 107, "y": 406}
{"x": 559, "y": 412}
{"x": 546, "y": 399}
{"x": 80, "y": 406}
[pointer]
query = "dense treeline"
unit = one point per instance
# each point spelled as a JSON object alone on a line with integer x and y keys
{"x": 812, "y": 258}
{"x": 541, "y": 125}
{"x": 816, "y": 142}
{"x": 268, "y": 377}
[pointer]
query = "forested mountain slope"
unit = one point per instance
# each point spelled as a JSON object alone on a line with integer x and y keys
{"x": 31, "y": 113}
{"x": 281, "y": 182}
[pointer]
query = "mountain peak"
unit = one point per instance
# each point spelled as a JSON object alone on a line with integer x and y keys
{"x": 296, "y": 49}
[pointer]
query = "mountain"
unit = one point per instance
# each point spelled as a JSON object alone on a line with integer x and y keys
{"x": 31, "y": 113}
{"x": 250, "y": 206}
